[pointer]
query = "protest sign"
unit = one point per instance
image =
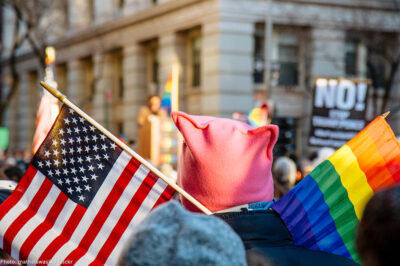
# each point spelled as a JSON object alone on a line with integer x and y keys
{"x": 338, "y": 111}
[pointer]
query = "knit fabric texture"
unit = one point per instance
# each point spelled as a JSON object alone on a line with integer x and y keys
{"x": 171, "y": 235}
{"x": 224, "y": 162}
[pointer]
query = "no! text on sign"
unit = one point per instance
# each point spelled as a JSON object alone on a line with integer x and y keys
{"x": 338, "y": 113}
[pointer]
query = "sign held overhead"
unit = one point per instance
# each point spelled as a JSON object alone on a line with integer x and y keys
{"x": 338, "y": 114}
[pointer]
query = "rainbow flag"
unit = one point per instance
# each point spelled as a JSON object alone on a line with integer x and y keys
{"x": 166, "y": 99}
{"x": 322, "y": 212}
{"x": 258, "y": 116}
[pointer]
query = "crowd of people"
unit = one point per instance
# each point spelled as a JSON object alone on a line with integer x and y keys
{"x": 231, "y": 185}
{"x": 228, "y": 166}
{"x": 173, "y": 236}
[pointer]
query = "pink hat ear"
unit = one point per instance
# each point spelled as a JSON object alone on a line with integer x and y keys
{"x": 191, "y": 129}
{"x": 269, "y": 134}
{"x": 180, "y": 118}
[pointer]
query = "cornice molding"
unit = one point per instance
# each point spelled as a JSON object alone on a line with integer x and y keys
{"x": 389, "y": 5}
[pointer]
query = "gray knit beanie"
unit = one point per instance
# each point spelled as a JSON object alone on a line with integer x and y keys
{"x": 171, "y": 235}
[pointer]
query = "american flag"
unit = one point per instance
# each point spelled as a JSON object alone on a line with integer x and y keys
{"x": 79, "y": 200}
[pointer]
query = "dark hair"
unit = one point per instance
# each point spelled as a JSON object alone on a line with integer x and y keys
{"x": 378, "y": 235}
{"x": 13, "y": 173}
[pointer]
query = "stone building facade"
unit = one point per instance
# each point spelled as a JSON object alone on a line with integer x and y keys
{"x": 112, "y": 54}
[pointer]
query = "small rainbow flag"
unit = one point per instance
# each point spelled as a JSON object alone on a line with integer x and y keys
{"x": 322, "y": 212}
{"x": 166, "y": 99}
{"x": 257, "y": 117}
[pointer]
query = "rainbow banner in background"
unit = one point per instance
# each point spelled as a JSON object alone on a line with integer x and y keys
{"x": 322, "y": 212}
{"x": 166, "y": 99}
{"x": 170, "y": 99}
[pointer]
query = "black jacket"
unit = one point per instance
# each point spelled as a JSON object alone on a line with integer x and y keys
{"x": 268, "y": 242}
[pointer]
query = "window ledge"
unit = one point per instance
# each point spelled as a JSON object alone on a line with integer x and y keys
{"x": 193, "y": 91}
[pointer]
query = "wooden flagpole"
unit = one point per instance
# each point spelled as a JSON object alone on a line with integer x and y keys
{"x": 386, "y": 114}
{"x": 64, "y": 99}
{"x": 175, "y": 88}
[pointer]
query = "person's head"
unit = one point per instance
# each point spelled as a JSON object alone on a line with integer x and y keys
{"x": 11, "y": 161}
{"x": 18, "y": 154}
{"x": 224, "y": 162}
{"x": 154, "y": 103}
{"x": 170, "y": 235}
{"x": 323, "y": 154}
{"x": 284, "y": 171}
{"x": 27, "y": 156}
{"x": 378, "y": 234}
{"x": 13, "y": 173}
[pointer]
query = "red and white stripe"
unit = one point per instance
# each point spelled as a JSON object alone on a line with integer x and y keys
{"x": 49, "y": 236}
{"x": 39, "y": 222}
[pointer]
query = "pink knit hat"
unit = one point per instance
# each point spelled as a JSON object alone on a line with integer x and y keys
{"x": 224, "y": 163}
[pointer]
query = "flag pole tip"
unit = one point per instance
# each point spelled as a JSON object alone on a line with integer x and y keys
{"x": 386, "y": 114}
{"x": 53, "y": 91}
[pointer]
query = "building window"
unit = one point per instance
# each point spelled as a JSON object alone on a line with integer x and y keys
{"x": 355, "y": 58}
{"x": 154, "y": 69}
{"x": 196, "y": 61}
{"x": 287, "y": 60}
{"x": 153, "y": 65}
{"x": 118, "y": 6}
{"x": 284, "y": 56}
{"x": 118, "y": 81}
{"x": 87, "y": 65}
{"x": 378, "y": 66}
{"x": 120, "y": 64}
{"x": 120, "y": 3}
{"x": 350, "y": 57}
{"x": 61, "y": 77}
{"x": 194, "y": 44}
{"x": 66, "y": 9}
{"x": 258, "y": 67}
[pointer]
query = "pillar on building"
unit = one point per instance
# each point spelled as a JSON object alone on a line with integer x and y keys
{"x": 103, "y": 11}
{"x": 12, "y": 122}
{"x": 134, "y": 82}
{"x": 227, "y": 51}
{"x": 28, "y": 104}
{"x": 107, "y": 104}
{"x": 92, "y": 83}
{"x": 76, "y": 82}
{"x": 80, "y": 14}
{"x": 103, "y": 76}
